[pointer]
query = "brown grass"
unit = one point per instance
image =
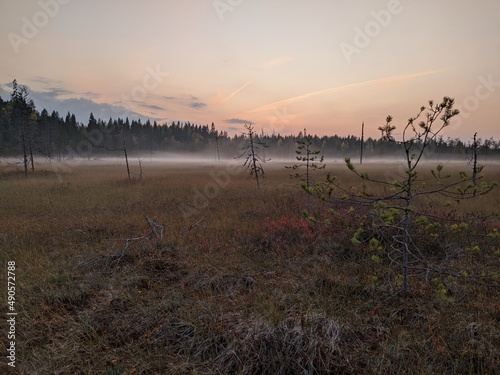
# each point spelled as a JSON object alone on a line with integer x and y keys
{"x": 216, "y": 295}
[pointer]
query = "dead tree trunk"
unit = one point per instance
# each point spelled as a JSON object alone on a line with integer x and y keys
{"x": 25, "y": 156}
{"x": 474, "y": 160}
{"x": 362, "y": 142}
{"x": 253, "y": 160}
{"x": 126, "y": 158}
{"x": 31, "y": 155}
{"x": 217, "y": 145}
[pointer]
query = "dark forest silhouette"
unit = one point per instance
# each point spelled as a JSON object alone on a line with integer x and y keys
{"x": 25, "y": 132}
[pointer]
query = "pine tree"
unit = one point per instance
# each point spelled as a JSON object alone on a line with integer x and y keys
{"x": 308, "y": 158}
{"x": 23, "y": 117}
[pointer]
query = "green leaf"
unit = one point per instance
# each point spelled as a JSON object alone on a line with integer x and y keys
{"x": 355, "y": 239}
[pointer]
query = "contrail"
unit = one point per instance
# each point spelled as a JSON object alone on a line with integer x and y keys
{"x": 294, "y": 99}
{"x": 234, "y": 93}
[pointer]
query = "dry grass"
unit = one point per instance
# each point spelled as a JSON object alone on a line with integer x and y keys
{"x": 216, "y": 295}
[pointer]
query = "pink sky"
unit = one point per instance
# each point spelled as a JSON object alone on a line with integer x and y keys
{"x": 281, "y": 64}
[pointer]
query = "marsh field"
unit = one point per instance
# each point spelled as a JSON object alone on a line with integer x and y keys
{"x": 192, "y": 270}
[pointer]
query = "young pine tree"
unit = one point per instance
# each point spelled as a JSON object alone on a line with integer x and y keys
{"x": 309, "y": 160}
{"x": 395, "y": 215}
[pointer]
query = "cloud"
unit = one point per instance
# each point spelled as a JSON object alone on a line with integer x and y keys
{"x": 152, "y": 106}
{"x": 57, "y": 92}
{"x": 280, "y": 60}
{"x": 5, "y": 91}
{"x": 197, "y": 105}
{"x": 238, "y": 90}
{"x": 45, "y": 81}
{"x": 373, "y": 82}
{"x": 80, "y": 107}
{"x": 52, "y": 87}
{"x": 192, "y": 102}
{"x": 237, "y": 121}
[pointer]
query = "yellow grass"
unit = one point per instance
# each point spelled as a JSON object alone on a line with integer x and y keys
{"x": 218, "y": 293}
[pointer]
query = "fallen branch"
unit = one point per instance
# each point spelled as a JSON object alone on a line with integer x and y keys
{"x": 113, "y": 259}
{"x": 155, "y": 228}
{"x": 195, "y": 224}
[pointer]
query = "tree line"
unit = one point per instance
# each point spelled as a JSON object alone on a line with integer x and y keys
{"x": 27, "y": 133}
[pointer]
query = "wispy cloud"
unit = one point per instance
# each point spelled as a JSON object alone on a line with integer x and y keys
{"x": 152, "y": 106}
{"x": 57, "y": 92}
{"x": 193, "y": 102}
{"x": 238, "y": 90}
{"x": 46, "y": 81}
{"x": 197, "y": 105}
{"x": 80, "y": 107}
{"x": 53, "y": 88}
{"x": 373, "y": 82}
{"x": 280, "y": 60}
{"x": 237, "y": 121}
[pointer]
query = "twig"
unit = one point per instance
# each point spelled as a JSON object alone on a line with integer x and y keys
{"x": 154, "y": 227}
{"x": 195, "y": 224}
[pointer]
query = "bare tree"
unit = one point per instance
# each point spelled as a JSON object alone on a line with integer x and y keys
{"x": 124, "y": 149}
{"x": 126, "y": 158}
{"x": 23, "y": 116}
{"x": 362, "y": 142}
{"x": 140, "y": 168}
{"x": 216, "y": 135}
{"x": 250, "y": 152}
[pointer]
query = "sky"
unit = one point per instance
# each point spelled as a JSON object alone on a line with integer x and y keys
{"x": 282, "y": 65}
